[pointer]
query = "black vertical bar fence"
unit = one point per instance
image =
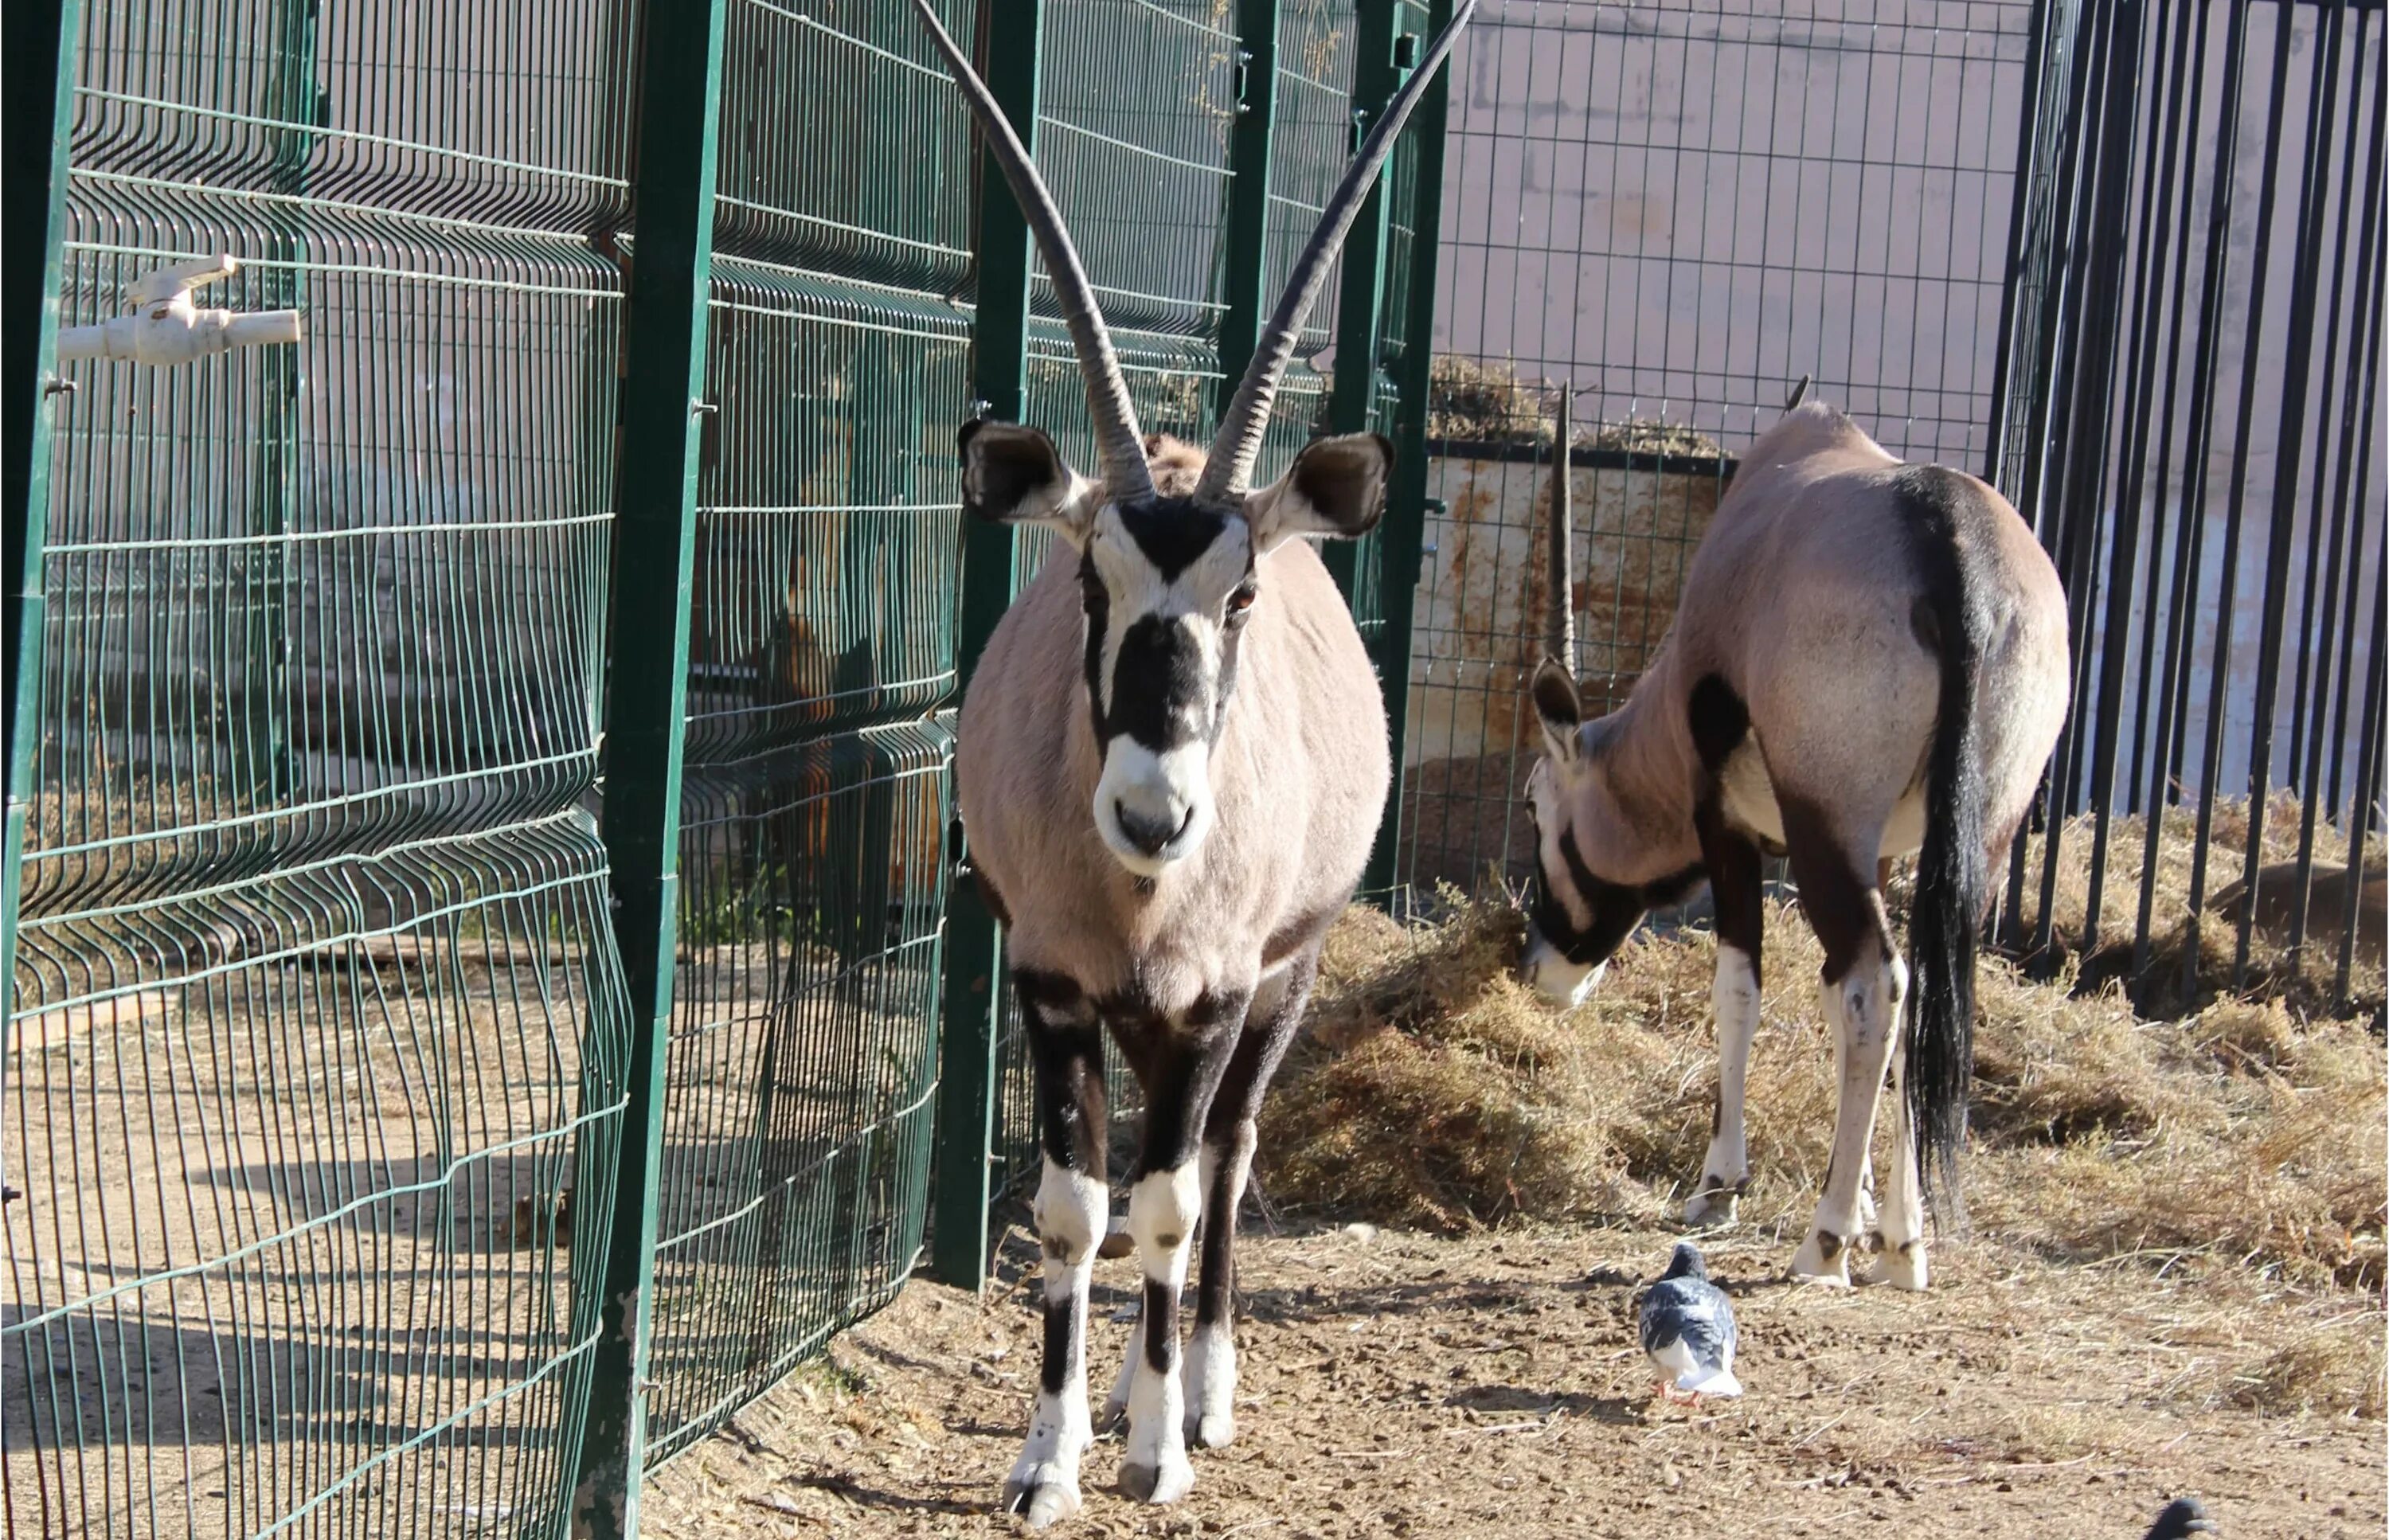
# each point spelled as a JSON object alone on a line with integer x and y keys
{"x": 2207, "y": 480}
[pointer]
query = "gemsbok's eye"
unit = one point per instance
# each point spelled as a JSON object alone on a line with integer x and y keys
{"x": 1242, "y": 599}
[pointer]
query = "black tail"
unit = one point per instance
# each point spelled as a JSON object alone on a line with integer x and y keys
{"x": 1950, "y": 877}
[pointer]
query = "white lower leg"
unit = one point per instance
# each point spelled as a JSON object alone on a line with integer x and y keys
{"x": 1044, "y": 1480}
{"x": 1211, "y": 1350}
{"x": 1864, "y": 1009}
{"x": 1903, "y": 1217}
{"x": 1734, "y": 995}
{"x": 1161, "y": 1214}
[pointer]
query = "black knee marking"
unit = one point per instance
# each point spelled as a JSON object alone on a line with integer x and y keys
{"x": 1161, "y": 1326}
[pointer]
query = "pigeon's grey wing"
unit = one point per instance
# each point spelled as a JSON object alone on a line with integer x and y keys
{"x": 1689, "y": 1311}
{"x": 1711, "y": 1340}
{"x": 1657, "y": 1322}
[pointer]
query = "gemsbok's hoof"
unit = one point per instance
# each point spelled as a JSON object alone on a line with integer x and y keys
{"x": 1165, "y": 1482}
{"x": 1043, "y": 1495}
{"x": 1824, "y": 1259}
{"x": 1712, "y": 1207}
{"x": 1215, "y": 1430}
{"x": 1903, "y": 1267}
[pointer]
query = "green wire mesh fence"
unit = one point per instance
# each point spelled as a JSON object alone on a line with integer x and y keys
{"x": 321, "y": 1036}
{"x": 316, "y": 1014}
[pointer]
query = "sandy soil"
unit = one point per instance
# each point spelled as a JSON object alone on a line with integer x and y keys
{"x": 1403, "y": 1384}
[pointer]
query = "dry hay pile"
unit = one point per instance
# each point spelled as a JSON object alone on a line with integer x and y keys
{"x": 1472, "y": 402}
{"x": 1436, "y": 1092}
{"x": 2183, "y": 978}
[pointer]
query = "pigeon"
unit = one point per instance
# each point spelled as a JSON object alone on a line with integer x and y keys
{"x": 2182, "y": 1517}
{"x": 1688, "y": 1329}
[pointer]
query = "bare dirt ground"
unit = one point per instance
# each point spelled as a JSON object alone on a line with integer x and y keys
{"x": 1402, "y": 1384}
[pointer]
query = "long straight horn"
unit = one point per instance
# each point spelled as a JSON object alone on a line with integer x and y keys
{"x": 1800, "y": 393}
{"x": 1245, "y": 422}
{"x": 1561, "y": 601}
{"x": 1116, "y": 439}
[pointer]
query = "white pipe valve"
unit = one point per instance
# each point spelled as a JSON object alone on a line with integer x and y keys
{"x": 168, "y": 328}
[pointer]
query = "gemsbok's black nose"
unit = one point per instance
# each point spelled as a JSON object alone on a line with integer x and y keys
{"x": 1147, "y": 833}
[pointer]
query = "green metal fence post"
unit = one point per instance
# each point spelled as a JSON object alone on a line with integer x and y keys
{"x": 1250, "y": 144}
{"x": 1403, "y": 540}
{"x": 1012, "y": 33}
{"x": 1361, "y": 302}
{"x": 40, "y": 36}
{"x": 678, "y": 105}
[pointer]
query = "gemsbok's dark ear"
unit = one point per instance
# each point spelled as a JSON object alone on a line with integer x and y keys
{"x": 1560, "y": 710}
{"x": 1335, "y": 486}
{"x": 1014, "y": 475}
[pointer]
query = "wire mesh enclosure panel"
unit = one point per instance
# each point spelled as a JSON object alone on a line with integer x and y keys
{"x": 2195, "y": 429}
{"x": 1678, "y": 210}
{"x": 338, "y": 1016}
{"x": 316, "y": 1039}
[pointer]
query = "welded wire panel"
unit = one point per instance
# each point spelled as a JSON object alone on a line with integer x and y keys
{"x": 317, "y": 1048}
{"x": 1312, "y": 142}
{"x": 802, "y": 1064}
{"x": 803, "y": 1060}
{"x": 1681, "y": 208}
{"x": 1141, "y": 171}
{"x": 827, "y": 530}
{"x": 2198, "y": 444}
{"x": 844, "y": 146}
{"x": 296, "y": 1249}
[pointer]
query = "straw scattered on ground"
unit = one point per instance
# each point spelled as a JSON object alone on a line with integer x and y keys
{"x": 1436, "y": 1092}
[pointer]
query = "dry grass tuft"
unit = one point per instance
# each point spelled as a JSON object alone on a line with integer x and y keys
{"x": 1437, "y": 1091}
{"x": 2337, "y": 1370}
{"x": 2187, "y": 973}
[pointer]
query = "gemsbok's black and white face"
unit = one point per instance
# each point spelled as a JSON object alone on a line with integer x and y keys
{"x": 1168, "y": 581}
{"x": 1575, "y": 918}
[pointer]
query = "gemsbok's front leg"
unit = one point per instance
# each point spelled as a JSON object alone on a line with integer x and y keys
{"x": 1230, "y": 1135}
{"x": 1065, "y": 1041}
{"x": 1165, "y": 1203}
{"x": 1737, "y": 887}
{"x": 1864, "y": 983}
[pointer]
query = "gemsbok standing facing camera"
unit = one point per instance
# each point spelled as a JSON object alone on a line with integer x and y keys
{"x": 1172, "y": 761}
{"x": 1869, "y": 660}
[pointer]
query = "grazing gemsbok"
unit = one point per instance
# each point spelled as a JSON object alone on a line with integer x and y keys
{"x": 1172, "y": 759}
{"x": 1868, "y": 657}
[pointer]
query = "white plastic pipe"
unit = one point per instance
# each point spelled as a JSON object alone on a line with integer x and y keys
{"x": 170, "y": 328}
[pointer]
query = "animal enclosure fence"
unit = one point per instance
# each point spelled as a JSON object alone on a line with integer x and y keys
{"x": 1680, "y": 209}
{"x": 488, "y": 989}
{"x": 480, "y": 775}
{"x": 2122, "y": 258}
